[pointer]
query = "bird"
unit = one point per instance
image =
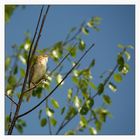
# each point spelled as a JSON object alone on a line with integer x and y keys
{"x": 37, "y": 72}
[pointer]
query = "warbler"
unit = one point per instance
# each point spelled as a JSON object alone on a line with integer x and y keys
{"x": 37, "y": 71}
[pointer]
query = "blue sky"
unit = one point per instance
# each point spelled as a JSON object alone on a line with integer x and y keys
{"x": 117, "y": 26}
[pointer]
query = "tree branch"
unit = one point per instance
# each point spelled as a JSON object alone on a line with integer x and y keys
{"x": 11, "y": 99}
{"x": 26, "y": 77}
{"x": 105, "y": 82}
{"x": 57, "y": 84}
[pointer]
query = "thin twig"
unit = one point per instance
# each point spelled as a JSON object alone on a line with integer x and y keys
{"x": 11, "y": 99}
{"x": 57, "y": 84}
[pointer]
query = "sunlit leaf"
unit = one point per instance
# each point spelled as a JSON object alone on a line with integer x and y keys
{"x": 49, "y": 112}
{"x": 54, "y": 103}
{"x": 77, "y": 102}
{"x": 82, "y": 45}
{"x": 127, "y": 54}
{"x": 125, "y": 69}
{"x": 43, "y": 122}
{"x": 69, "y": 96}
{"x": 76, "y": 73}
{"x": 26, "y": 46}
{"x": 83, "y": 122}
{"x": 89, "y": 103}
{"x": 112, "y": 87}
{"x": 85, "y": 30}
{"x": 107, "y": 99}
{"x": 59, "y": 78}
{"x": 22, "y": 59}
{"x": 92, "y": 131}
{"x": 117, "y": 77}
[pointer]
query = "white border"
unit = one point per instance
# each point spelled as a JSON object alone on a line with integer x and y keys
{"x": 118, "y": 2}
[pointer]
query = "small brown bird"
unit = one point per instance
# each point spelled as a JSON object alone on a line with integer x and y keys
{"x": 37, "y": 71}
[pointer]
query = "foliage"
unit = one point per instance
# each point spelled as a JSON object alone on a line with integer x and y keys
{"x": 80, "y": 97}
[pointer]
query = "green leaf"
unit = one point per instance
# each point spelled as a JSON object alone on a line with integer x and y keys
{"x": 127, "y": 54}
{"x": 89, "y": 103}
{"x": 130, "y": 46}
{"x": 9, "y": 9}
{"x": 117, "y": 77}
{"x": 76, "y": 73}
{"x": 77, "y": 102}
{"x": 85, "y": 30}
{"x": 57, "y": 50}
{"x": 63, "y": 110}
{"x": 21, "y": 122}
{"x": 72, "y": 51}
{"x": 112, "y": 87}
{"x": 107, "y": 99}
{"x": 22, "y": 72}
{"x": 71, "y": 112}
{"x": 22, "y": 59}
{"x": 120, "y": 60}
{"x": 53, "y": 121}
{"x": 49, "y": 112}
{"x": 12, "y": 80}
{"x": 100, "y": 88}
{"x": 7, "y": 62}
{"x": 83, "y": 84}
{"x": 92, "y": 63}
{"x": 121, "y": 46}
{"x": 55, "y": 103}
{"x": 92, "y": 131}
{"x": 15, "y": 69}
{"x": 59, "y": 78}
{"x": 70, "y": 132}
{"x": 82, "y": 45}
{"x": 93, "y": 85}
{"x": 75, "y": 80}
{"x": 43, "y": 122}
{"x": 84, "y": 110}
{"x": 69, "y": 96}
{"x": 98, "y": 125}
{"x": 102, "y": 112}
{"x": 83, "y": 122}
{"x": 19, "y": 128}
{"x": 125, "y": 69}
